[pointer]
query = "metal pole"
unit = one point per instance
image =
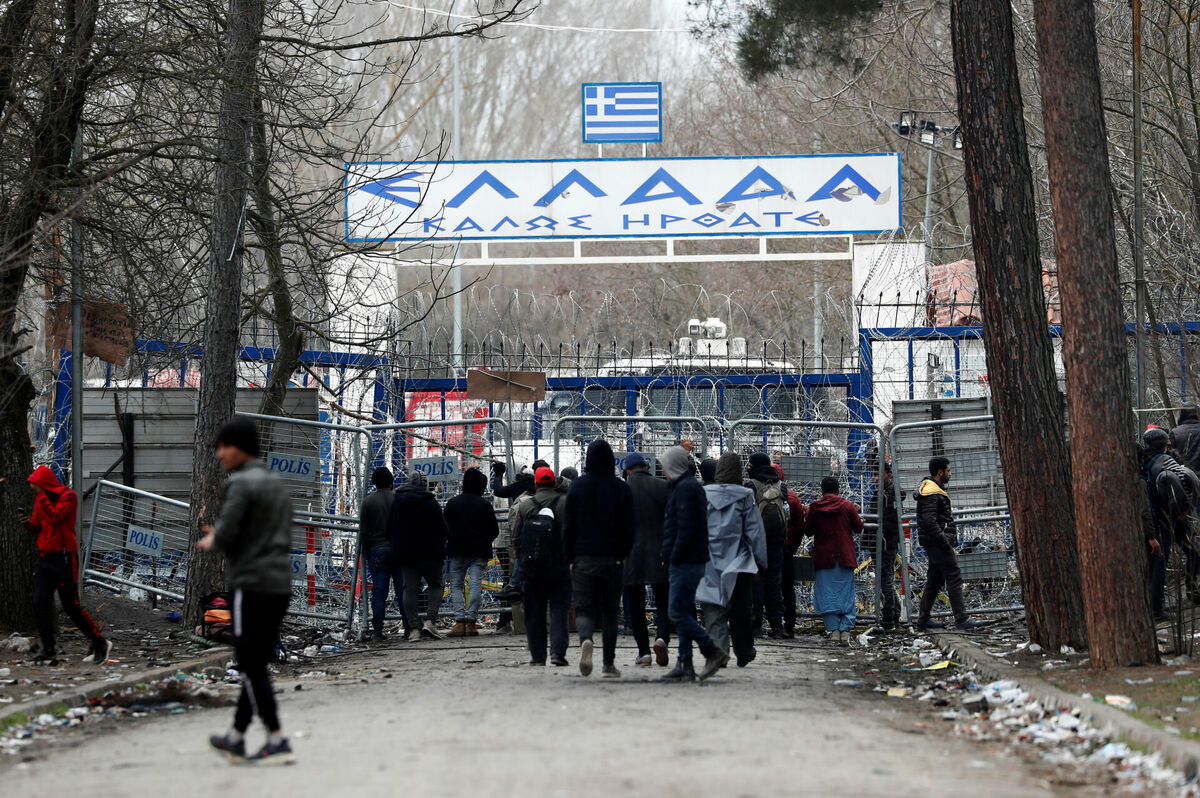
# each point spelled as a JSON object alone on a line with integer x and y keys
{"x": 818, "y": 327}
{"x": 77, "y": 342}
{"x": 456, "y": 269}
{"x": 927, "y": 224}
{"x": 1139, "y": 275}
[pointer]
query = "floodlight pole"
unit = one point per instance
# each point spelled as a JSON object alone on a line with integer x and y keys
{"x": 927, "y": 225}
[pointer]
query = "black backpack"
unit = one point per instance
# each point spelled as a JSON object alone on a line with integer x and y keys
{"x": 540, "y": 544}
{"x": 771, "y": 498}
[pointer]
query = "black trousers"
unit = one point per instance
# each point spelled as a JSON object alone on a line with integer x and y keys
{"x": 637, "y": 611}
{"x": 788, "y": 587}
{"x": 542, "y": 595}
{"x": 56, "y": 573}
{"x": 256, "y": 620}
{"x": 597, "y": 583}
{"x": 943, "y": 572}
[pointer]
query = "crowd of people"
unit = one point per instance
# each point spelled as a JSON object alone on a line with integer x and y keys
{"x": 713, "y": 542}
{"x": 1170, "y": 461}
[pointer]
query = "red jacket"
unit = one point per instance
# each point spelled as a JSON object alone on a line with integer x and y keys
{"x": 833, "y": 522}
{"x": 53, "y": 516}
{"x": 796, "y": 513}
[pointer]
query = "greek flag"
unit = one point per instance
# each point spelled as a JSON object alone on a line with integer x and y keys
{"x": 622, "y": 112}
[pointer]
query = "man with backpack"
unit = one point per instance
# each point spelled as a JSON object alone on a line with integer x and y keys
{"x": 470, "y": 529}
{"x": 1172, "y": 489}
{"x": 419, "y": 548}
{"x": 771, "y": 498}
{"x": 538, "y": 541}
{"x": 598, "y": 530}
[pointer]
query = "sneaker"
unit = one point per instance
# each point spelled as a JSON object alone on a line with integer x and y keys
{"x": 279, "y": 753}
{"x": 235, "y": 752}
{"x": 660, "y": 653}
{"x": 505, "y": 628}
{"x": 643, "y": 661}
{"x": 585, "y": 658}
{"x": 376, "y": 637}
{"x": 970, "y": 625}
{"x": 611, "y": 672}
{"x": 928, "y": 624}
{"x": 459, "y": 629}
{"x": 429, "y": 632}
{"x": 713, "y": 663}
{"x": 777, "y": 634}
{"x": 745, "y": 659}
{"x": 557, "y": 661}
{"x": 412, "y": 635}
{"x": 682, "y": 672}
{"x": 844, "y": 638}
{"x": 537, "y": 663}
{"x": 47, "y": 658}
{"x": 100, "y": 651}
{"x": 509, "y": 593}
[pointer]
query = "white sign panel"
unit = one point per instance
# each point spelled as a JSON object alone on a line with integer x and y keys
{"x": 437, "y": 469}
{"x": 293, "y": 466}
{"x": 622, "y": 112}
{"x": 623, "y": 198}
{"x": 144, "y": 540}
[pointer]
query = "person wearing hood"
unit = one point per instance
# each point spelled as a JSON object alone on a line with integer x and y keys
{"x": 470, "y": 529}
{"x": 1172, "y": 491}
{"x": 708, "y": 471}
{"x": 833, "y": 522}
{"x": 254, "y": 531}
{"x": 419, "y": 548}
{"x": 644, "y": 568}
{"x": 52, "y": 521}
{"x": 375, "y": 543}
{"x": 547, "y": 579}
{"x": 937, "y": 532}
{"x": 771, "y": 497}
{"x": 737, "y": 548}
{"x": 598, "y": 532}
{"x": 685, "y": 550}
{"x": 1185, "y": 438}
{"x": 890, "y": 525}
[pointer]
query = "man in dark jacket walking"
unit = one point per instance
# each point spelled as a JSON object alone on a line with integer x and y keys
{"x": 375, "y": 544}
{"x": 886, "y": 567}
{"x": 546, "y": 577}
{"x": 644, "y": 568}
{"x": 598, "y": 532}
{"x": 254, "y": 532}
{"x": 771, "y": 497}
{"x": 938, "y": 534}
{"x": 419, "y": 548}
{"x": 685, "y": 549}
{"x": 470, "y": 529}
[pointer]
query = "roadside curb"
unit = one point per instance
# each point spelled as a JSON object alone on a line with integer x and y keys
{"x": 80, "y": 695}
{"x": 1182, "y": 754}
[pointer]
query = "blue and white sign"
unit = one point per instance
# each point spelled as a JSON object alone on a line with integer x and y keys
{"x": 623, "y": 198}
{"x": 437, "y": 469}
{"x": 293, "y": 466}
{"x": 616, "y": 112}
{"x": 620, "y": 457}
{"x": 144, "y": 540}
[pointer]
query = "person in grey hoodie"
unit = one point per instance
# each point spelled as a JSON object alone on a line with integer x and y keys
{"x": 737, "y": 548}
{"x": 254, "y": 532}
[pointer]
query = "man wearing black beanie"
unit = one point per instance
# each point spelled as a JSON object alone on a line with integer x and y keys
{"x": 253, "y": 530}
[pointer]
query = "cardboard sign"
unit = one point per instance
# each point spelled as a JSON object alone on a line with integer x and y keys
{"x": 107, "y": 330}
{"x": 506, "y": 386}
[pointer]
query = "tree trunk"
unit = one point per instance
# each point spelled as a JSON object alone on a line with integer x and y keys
{"x": 1112, "y": 553}
{"x": 53, "y": 132}
{"x": 223, "y": 303}
{"x": 1016, "y": 335}
{"x": 283, "y": 314}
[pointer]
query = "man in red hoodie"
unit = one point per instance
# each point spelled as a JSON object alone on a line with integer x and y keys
{"x": 53, "y": 521}
{"x": 833, "y": 522}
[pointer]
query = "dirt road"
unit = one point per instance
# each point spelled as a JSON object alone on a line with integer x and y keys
{"x": 447, "y": 719}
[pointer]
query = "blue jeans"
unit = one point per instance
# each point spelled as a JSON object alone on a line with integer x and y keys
{"x": 381, "y": 575}
{"x": 460, "y": 568}
{"x": 685, "y": 578}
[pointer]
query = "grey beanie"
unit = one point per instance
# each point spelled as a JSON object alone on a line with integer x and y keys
{"x": 675, "y": 462}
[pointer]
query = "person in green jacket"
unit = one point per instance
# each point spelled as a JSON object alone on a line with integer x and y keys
{"x": 253, "y": 530}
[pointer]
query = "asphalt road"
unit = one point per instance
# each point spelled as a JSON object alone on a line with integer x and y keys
{"x": 448, "y": 719}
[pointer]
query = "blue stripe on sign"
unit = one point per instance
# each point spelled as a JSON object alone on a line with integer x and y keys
{"x": 628, "y": 124}
{"x": 594, "y": 137}
{"x": 610, "y": 110}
